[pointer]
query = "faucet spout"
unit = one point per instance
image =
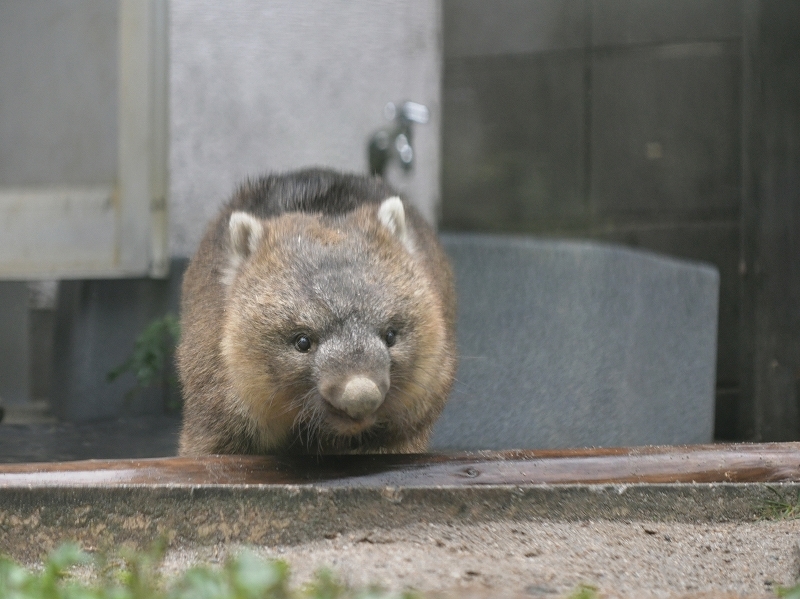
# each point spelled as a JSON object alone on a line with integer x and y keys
{"x": 394, "y": 142}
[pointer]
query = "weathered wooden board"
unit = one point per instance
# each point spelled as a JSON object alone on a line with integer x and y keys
{"x": 776, "y": 462}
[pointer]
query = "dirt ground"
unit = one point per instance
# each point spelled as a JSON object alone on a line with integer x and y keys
{"x": 549, "y": 559}
{"x": 545, "y": 559}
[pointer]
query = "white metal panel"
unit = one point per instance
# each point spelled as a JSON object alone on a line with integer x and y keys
{"x": 64, "y": 232}
{"x": 142, "y": 136}
{"x": 113, "y": 230}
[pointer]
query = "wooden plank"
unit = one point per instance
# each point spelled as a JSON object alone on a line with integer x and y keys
{"x": 674, "y": 464}
{"x": 770, "y": 332}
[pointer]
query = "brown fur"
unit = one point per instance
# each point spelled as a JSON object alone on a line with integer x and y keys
{"x": 343, "y": 276}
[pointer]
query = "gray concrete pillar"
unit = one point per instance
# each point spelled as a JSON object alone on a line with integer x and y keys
{"x": 97, "y": 323}
{"x": 14, "y": 343}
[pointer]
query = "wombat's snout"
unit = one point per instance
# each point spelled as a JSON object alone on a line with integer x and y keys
{"x": 359, "y": 397}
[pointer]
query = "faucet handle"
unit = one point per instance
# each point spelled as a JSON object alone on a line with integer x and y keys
{"x": 412, "y": 112}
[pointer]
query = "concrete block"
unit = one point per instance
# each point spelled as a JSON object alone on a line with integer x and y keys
{"x": 14, "y": 343}
{"x": 716, "y": 243}
{"x": 568, "y": 344}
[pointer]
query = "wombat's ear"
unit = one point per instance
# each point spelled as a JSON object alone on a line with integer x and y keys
{"x": 393, "y": 216}
{"x": 246, "y": 232}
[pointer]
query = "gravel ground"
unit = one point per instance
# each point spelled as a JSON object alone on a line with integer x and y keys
{"x": 549, "y": 559}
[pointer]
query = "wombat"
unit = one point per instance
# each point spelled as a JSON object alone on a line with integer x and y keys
{"x": 318, "y": 316}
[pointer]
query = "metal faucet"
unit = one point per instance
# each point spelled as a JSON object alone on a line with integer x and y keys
{"x": 395, "y": 141}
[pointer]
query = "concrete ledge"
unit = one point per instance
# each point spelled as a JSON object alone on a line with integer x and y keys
{"x": 36, "y": 520}
{"x": 41, "y": 507}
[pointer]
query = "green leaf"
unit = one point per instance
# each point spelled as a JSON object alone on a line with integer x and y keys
{"x": 152, "y": 351}
{"x": 325, "y": 586}
{"x": 252, "y": 577}
{"x": 584, "y": 591}
{"x": 788, "y": 593}
{"x": 201, "y": 583}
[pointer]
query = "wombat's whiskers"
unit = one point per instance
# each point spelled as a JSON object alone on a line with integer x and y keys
{"x": 274, "y": 394}
{"x": 413, "y": 381}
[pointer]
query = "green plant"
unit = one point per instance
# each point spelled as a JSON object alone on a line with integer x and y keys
{"x": 781, "y": 508}
{"x": 51, "y": 582}
{"x": 135, "y": 575}
{"x": 584, "y": 591}
{"x": 788, "y": 593}
{"x": 151, "y": 359}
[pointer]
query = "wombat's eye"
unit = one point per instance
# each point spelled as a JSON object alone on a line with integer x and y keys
{"x": 391, "y": 337}
{"x": 302, "y": 343}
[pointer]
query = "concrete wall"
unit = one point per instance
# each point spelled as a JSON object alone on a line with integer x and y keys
{"x": 259, "y": 86}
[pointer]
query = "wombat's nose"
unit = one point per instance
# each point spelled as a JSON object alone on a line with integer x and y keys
{"x": 360, "y": 397}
